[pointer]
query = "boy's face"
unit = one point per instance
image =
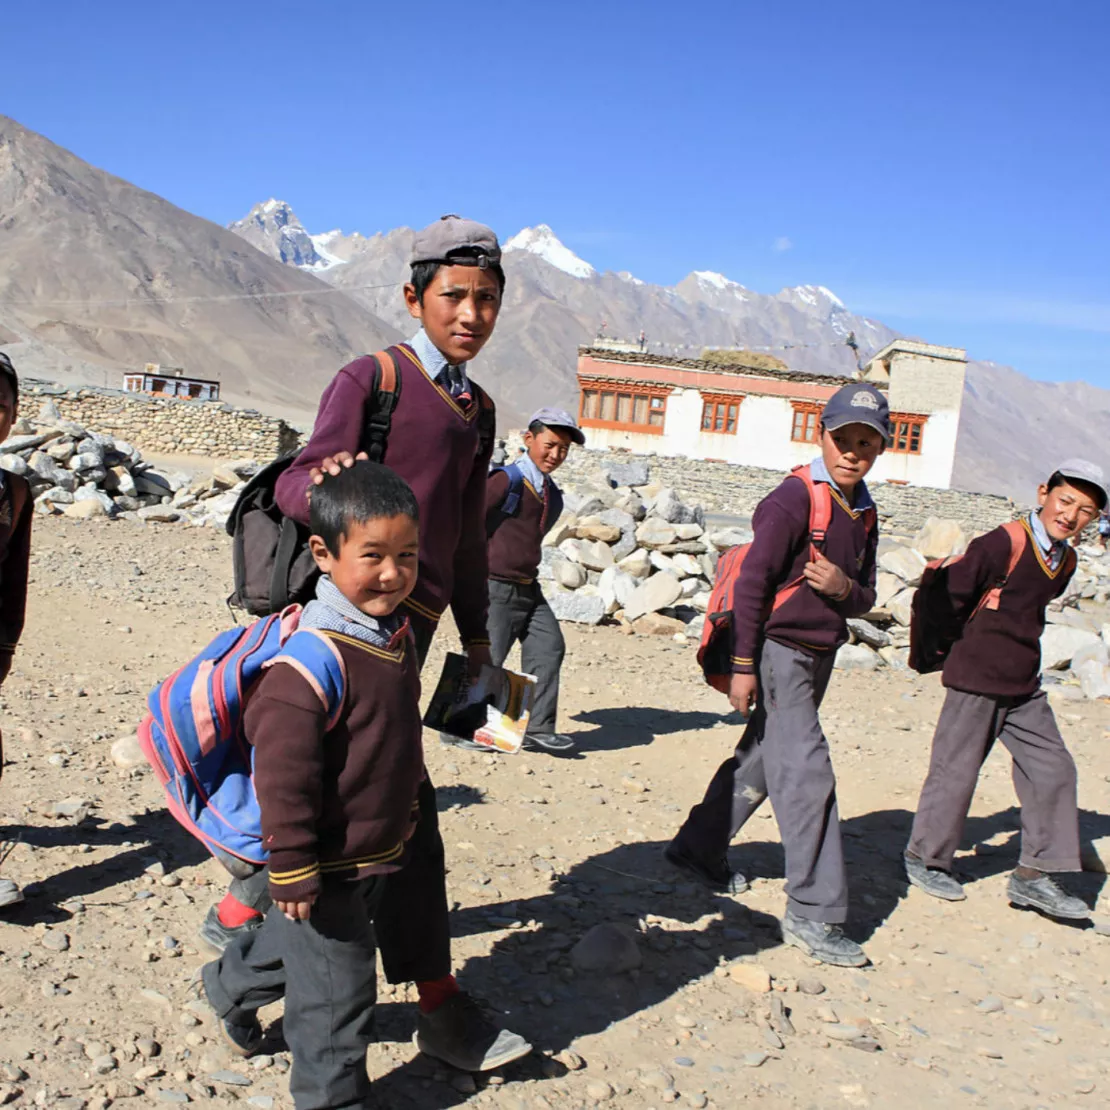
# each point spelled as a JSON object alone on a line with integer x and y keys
{"x": 375, "y": 569}
{"x": 548, "y": 449}
{"x": 1067, "y": 509}
{"x": 459, "y": 310}
{"x": 850, "y": 452}
{"x": 8, "y": 408}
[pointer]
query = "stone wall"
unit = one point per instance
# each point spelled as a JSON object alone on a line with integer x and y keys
{"x": 728, "y": 488}
{"x": 165, "y": 425}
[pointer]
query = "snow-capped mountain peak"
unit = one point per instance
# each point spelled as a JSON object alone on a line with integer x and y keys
{"x": 810, "y": 294}
{"x": 713, "y": 282}
{"x": 542, "y": 241}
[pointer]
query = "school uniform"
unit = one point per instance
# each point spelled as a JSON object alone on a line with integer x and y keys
{"x": 992, "y": 675}
{"x": 435, "y": 444}
{"x": 518, "y": 609}
{"x": 783, "y": 752}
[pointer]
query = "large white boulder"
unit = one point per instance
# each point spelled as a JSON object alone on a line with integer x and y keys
{"x": 938, "y": 539}
{"x": 906, "y": 563}
{"x": 1059, "y": 645}
{"x": 657, "y": 592}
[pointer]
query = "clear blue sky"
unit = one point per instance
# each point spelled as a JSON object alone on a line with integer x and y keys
{"x": 942, "y": 166}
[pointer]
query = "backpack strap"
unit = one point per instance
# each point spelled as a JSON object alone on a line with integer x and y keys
{"x": 18, "y": 492}
{"x": 317, "y": 660}
{"x": 385, "y": 392}
{"x": 510, "y": 504}
{"x": 820, "y": 507}
{"x": 487, "y": 421}
{"x": 1018, "y": 537}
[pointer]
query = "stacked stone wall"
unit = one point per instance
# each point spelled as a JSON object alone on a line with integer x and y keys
{"x": 166, "y": 425}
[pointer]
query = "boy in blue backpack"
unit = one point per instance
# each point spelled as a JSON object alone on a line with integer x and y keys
{"x": 522, "y": 504}
{"x": 791, "y": 602}
{"x": 338, "y": 797}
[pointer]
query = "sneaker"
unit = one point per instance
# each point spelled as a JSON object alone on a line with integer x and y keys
{"x": 244, "y": 1037}
{"x": 554, "y": 742}
{"x": 460, "y": 1033}
{"x": 10, "y": 894}
{"x": 719, "y": 878}
{"x": 1045, "y": 894}
{"x": 216, "y": 936}
{"x": 932, "y": 880}
{"x": 822, "y": 941}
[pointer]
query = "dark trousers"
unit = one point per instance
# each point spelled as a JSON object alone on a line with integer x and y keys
{"x": 411, "y": 921}
{"x": 521, "y": 613}
{"x": 1044, "y": 778}
{"x": 784, "y": 754}
{"x": 324, "y": 969}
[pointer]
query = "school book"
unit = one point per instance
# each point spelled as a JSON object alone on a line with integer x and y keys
{"x": 492, "y": 712}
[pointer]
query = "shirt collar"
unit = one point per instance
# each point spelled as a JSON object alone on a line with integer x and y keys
{"x": 1054, "y": 549}
{"x": 530, "y": 471}
{"x": 819, "y": 472}
{"x": 433, "y": 359}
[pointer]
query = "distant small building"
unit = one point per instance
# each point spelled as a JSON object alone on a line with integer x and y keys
{"x": 765, "y": 417}
{"x": 171, "y": 381}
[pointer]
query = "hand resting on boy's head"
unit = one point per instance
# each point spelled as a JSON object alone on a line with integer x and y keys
{"x": 332, "y": 465}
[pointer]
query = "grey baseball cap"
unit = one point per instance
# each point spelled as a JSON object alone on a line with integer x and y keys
{"x": 438, "y": 241}
{"x": 561, "y": 419}
{"x": 1088, "y": 472}
{"x": 858, "y": 404}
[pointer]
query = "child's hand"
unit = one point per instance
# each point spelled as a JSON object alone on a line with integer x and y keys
{"x": 827, "y": 578}
{"x": 297, "y": 911}
{"x": 742, "y": 693}
{"x": 476, "y": 656}
{"x": 333, "y": 464}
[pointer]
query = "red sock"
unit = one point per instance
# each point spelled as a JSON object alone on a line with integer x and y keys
{"x": 233, "y": 913}
{"x": 434, "y": 992}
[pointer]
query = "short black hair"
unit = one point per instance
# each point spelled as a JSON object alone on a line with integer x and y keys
{"x": 1090, "y": 488}
{"x": 424, "y": 272}
{"x": 365, "y": 491}
{"x": 8, "y": 374}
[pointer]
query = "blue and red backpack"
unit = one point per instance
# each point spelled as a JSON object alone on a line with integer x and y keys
{"x": 193, "y": 733}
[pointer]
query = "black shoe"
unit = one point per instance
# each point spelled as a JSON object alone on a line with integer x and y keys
{"x": 554, "y": 742}
{"x": 822, "y": 941}
{"x": 719, "y": 878}
{"x": 216, "y": 936}
{"x": 460, "y": 1033}
{"x": 244, "y": 1036}
{"x": 932, "y": 880}
{"x": 1045, "y": 894}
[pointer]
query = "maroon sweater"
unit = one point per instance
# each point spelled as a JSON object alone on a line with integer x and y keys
{"x": 15, "y": 555}
{"x": 999, "y": 652}
{"x": 338, "y": 803}
{"x": 515, "y": 542}
{"x": 779, "y": 552}
{"x": 434, "y": 445}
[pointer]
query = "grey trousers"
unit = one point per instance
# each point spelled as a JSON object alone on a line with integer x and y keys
{"x": 324, "y": 968}
{"x": 521, "y": 613}
{"x": 784, "y": 754}
{"x": 1044, "y": 778}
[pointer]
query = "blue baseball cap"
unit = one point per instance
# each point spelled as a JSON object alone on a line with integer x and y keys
{"x": 561, "y": 419}
{"x": 858, "y": 404}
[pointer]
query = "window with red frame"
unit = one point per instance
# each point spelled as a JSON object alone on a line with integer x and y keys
{"x": 719, "y": 414}
{"x": 906, "y": 433}
{"x": 636, "y": 410}
{"x": 807, "y": 419}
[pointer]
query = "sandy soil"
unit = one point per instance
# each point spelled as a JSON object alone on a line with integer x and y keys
{"x": 969, "y": 1004}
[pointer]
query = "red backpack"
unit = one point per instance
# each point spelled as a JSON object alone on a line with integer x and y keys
{"x": 934, "y": 627}
{"x": 715, "y": 652}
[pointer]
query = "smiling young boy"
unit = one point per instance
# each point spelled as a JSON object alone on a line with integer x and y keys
{"x": 440, "y": 441}
{"x": 992, "y": 675}
{"x": 518, "y": 609}
{"x": 15, "y": 553}
{"x": 783, "y": 657}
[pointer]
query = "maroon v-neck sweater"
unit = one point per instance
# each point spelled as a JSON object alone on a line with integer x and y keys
{"x": 434, "y": 445}
{"x": 999, "y": 652}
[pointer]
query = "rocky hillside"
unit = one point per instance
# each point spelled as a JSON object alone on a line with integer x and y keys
{"x": 97, "y": 276}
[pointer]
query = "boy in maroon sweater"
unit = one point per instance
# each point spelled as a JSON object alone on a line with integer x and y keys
{"x": 338, "y": 798}
{"x": 15, "y": 554}
{"x": 782, "y": 661}
{"x": 994, "y": 693}
{"x": 518, "y": 609}
{"x": 440, "y": 441}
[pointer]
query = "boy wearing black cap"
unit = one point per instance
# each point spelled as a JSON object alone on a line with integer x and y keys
{"x": 15, "y": 553}
{"x": 992, "y": 674}
{"x": 791, "y": 603}
{"x": 522, "y": 504}
{"x": 440, "y": 441}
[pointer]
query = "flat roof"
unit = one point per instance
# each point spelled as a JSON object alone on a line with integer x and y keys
{"x": 917, "y": 347}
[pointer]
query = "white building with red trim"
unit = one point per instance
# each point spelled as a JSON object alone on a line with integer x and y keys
{"x": 651, "y": 404}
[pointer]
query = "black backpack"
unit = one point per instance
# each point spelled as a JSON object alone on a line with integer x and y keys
{"x": 271, "y": 562}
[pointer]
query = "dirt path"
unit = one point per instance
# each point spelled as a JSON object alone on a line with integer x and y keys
{"x": 970, "y": 1004}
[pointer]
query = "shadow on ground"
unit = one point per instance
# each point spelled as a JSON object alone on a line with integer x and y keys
{"x": 637, "y": 725}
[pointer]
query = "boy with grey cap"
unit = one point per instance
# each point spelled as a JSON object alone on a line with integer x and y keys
{"x": 992, "y": 674}
{"x": 522, "y": 504}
